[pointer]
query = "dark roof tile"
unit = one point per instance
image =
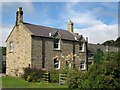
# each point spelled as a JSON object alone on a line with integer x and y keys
{"x": 44, "y": 31}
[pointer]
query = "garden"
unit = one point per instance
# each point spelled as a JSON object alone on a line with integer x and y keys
{"x": 104, "y": 73}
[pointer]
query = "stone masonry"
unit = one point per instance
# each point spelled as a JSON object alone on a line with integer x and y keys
{"x": 34, "y": 51}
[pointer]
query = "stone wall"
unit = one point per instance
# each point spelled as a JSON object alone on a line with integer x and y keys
{"x": 31, "y": 51}
{"x": 66, "y": 47}
{"x": 21, "y": 56}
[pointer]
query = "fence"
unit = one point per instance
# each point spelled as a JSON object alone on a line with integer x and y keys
{"x": 62, "y": 78}
{"x": 46, "y": 77}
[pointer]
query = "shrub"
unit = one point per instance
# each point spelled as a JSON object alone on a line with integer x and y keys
{"x": 100, "y": 75}
{"x": 33, "y": 74}
{"x": 54, "y": 75}
{"x": 74, "y": 78}
{"x": 64, "y": 70}
{"x": 29, "y": 78}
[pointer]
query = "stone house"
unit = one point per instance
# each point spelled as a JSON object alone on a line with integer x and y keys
{"x": 36, "y": 46}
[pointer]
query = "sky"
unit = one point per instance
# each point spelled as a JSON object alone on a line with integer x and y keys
{"x": 96, "y": 20}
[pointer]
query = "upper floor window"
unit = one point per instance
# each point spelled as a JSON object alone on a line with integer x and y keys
{"x": 57, "y": 44}
{"x": 56, "y": 63}
{"x": 81, "y": 46}
{"x": 11, "y": 46}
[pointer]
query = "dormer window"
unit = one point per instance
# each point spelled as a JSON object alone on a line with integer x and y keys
{"x": 56, "y": 44}
{"x": 49, "y": 34}
{"x": 75, "y": 38}
{"x": 11, "y": 46}
{"x": 81, "y": 46}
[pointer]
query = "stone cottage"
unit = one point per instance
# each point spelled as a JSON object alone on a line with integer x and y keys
{"x": 36, "y": 46}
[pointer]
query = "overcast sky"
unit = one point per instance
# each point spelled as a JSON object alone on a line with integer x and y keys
{"x": 95, "y": 20}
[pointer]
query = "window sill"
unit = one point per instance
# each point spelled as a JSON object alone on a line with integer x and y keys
{"x": 57, "y": 68}
{"x": 83, "y": 69}
{"x": 10, "y": 51}
{"x": 81, "y": 51}
{"x": 56, "y": 49}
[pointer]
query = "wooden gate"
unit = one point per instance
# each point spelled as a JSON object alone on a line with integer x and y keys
{"x": 62, "y": 78}
{"x": 46, "y": 77}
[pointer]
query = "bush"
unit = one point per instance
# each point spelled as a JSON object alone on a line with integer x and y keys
{"x": 100, "y": 75}
{"x": 3, "y": 66}
{"x": 54, "y": 76}
{"x": 74, "y": 78}
{"x": 33, "y": 74}
{"x": 29, "y": 78}
{"x": 64, "y": 70}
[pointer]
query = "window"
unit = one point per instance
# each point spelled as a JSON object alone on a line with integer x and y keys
{"x": 56, "y": 44}
{"x": 56, "y": 64}
{"x": 11, "y": 46}
{"x": 81, "y": 46}
{"x": 82, "y": 65}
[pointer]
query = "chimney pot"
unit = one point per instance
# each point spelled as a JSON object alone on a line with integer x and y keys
{"x": 19, "y": 16}
{"x": 70, "y": 26}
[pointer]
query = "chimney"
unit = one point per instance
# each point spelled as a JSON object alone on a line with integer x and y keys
{"x": 19, "y": 16}
{"x": 70, "y": 26}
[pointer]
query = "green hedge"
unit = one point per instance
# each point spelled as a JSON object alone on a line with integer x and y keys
{"x": 33, "y": 74}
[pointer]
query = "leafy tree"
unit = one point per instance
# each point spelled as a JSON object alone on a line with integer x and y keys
{"x": 112, "y": 42}
{"x": 105, "y": 74}
{"x": 117, "y": 42}
{"x": 3, "y": 50}
{"x": 98, "y": 57}
{"x": 109, "y": 43}
{"x": 100, "y": 75}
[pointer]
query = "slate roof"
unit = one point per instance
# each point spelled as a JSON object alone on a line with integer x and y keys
{"x": 93, "y": 47}
{"x": 44, "y": 31}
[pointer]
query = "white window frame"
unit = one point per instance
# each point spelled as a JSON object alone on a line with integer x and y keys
{"x": 11, "y": 46}
{"x": 82, "y": 64}
{"x": 57, "y": 64}
{"x": 56, "y": 43}
{"x": 82, "y": 45}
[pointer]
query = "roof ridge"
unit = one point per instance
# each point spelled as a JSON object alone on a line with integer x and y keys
{"x": 45, "y": 26}
{"x": 39, "y": 30}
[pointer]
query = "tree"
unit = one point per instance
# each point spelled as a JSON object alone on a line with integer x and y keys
{"x": 109, "y": 43}
{"x": 112, "y": 42}
{"x": 105, "y": 74}
{"x": 117, "y": 42}
{"x": 98, "y": 57}
{"x": 3, "y": 50}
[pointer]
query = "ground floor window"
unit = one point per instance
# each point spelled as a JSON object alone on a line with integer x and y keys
{"x": 56, "y": 63}
{"x": 82, "y": 65}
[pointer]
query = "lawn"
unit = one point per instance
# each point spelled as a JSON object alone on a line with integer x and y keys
{"x": 10, "y": 82}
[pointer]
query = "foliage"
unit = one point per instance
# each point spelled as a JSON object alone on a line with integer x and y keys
{"x": 64, "y": 70}
{"x": 3, "y": 50}
{"x": 98, "y": 57}
{"x": 3, "y": 63}
{"x": 3, "y": 66}
{"x": 112, "y": 42}
{"x": 33, "y": 74}
{"x": 100, "y": 75}
{"x": 74, "y": 78}
{"x": 54, "y": 75}
{"x": 109, "y": 43}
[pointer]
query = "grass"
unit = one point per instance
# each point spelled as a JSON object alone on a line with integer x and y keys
{"x": 10, "y": 82}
